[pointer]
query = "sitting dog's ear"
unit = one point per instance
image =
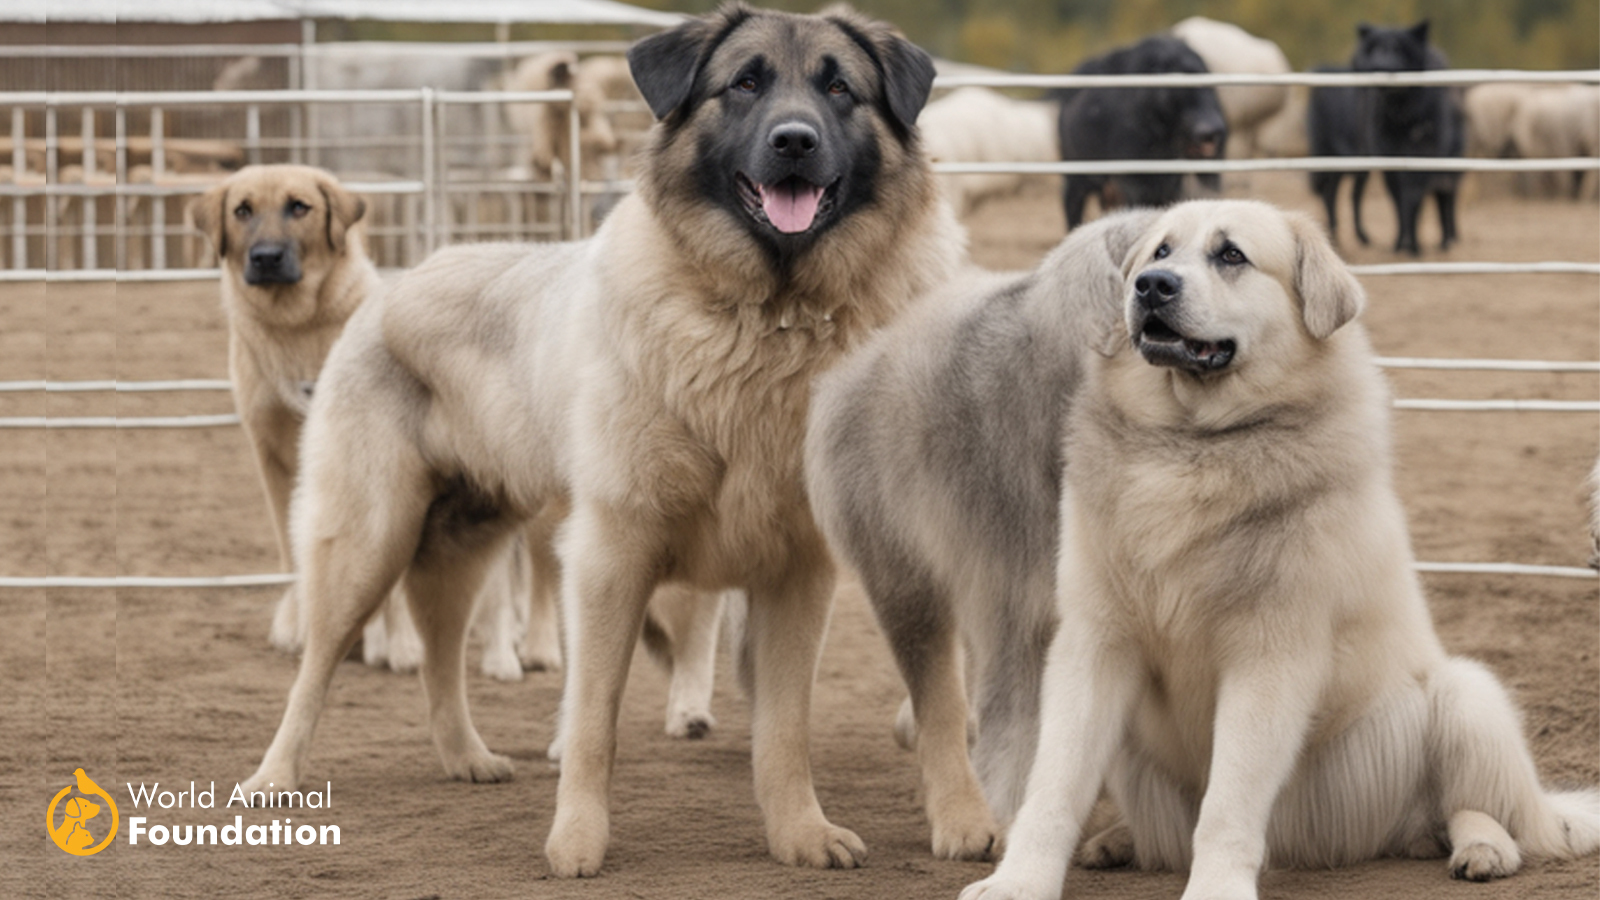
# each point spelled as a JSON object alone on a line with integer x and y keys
{"x": 664, "y": 65}
{"x": 344, "y": 209}
{"x": 1330, "y": 295}
{"x": 211, "y": 218}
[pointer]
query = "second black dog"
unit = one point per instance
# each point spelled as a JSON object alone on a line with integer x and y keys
{"x": 1138, "y": 123}
{"x": 1403, "y": 121}
{"x": 1339, "y": 123}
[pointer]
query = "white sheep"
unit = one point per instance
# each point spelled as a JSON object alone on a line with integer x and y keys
{"x": 1230, "y": 50}
{"x": 974, "y": 124}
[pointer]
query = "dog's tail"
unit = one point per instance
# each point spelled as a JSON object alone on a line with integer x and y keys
{"x": 1567, "y": 825}
{"x": 1484, "y": 760}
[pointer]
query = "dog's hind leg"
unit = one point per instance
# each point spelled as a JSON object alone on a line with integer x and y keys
{"x": 1407, "y": 209}
{"x": 1075, "y": 194}
{"x": 918, "y": 621}
{"x": 540, "y": 649}
{"x": 1445, "y": 199}
{"x": 788, "y": 616}
{"x": 1358, "y": 190}
{"x": 1490, "y": 794}
{"x": 688, "y": 647}
{"x": 441, "y": 585}
{"x": 359, "y": 528}
{"x": 1007, "y": 680}
{"x": 1156, "y": 829}
{"x": 1326, "y": 186}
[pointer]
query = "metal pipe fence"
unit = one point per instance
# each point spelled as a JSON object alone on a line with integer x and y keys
{"x": 435, "y": 224}
{"x": 446, "y": 201}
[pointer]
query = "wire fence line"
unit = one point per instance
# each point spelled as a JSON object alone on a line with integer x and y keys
{"x": 1549, "y": 267}
{"x": 283, "y": 579}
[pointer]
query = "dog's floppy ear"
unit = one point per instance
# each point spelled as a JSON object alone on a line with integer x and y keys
{"x": 211, "y": 218}
{"x": 1124, "y": 233}
{"x": 1330, "y": 295}
{"x": 1089, "y": 268}
{"x": 344, "y": 209}
{"x": 664, "y": 65}
{"x": 907, "y": 69}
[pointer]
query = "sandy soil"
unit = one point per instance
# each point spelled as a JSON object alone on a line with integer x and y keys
{"x": 174, "y": 686}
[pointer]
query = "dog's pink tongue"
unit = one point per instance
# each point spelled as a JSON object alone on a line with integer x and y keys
{"x": 791, "y": 205}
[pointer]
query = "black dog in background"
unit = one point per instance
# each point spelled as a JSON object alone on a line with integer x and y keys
{"x": 1339, "y": 123}
{"x": 1138, "y": 123}
{"x": 1398, "y": 121}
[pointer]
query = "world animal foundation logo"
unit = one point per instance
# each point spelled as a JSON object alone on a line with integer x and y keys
{"x": 82, "y": 817}
{"x": 86, "y": 823}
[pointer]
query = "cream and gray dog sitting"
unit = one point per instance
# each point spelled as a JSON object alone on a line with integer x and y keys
{"x": 1241, "y": 649}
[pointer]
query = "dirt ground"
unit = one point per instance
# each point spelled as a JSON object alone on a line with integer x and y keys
{"x": 174, "y": 686}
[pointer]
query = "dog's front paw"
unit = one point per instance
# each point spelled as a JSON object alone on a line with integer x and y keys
{"x": 540, "y": 648}
{"x": 963, "y": 827}
{"x": 1484, "y": 861}
{"x": 268, "y": 781}
{"x": 577, "y": 843}
{"x": 500, "y": 663}
{"x": 997, "y": 888}
{"x": 977, "y": 840}
{"x": 690, "y": 724}
{"x": 375, "y": 643}
{"x": 405, "y": 648}
{"x": 820, "y": 845}
{"x": 481, "y": 768}
{"x": 1109, "y": 849}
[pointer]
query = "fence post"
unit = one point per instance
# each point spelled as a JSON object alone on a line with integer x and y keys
{"x": 19, "y": 203}
{"x": 52, "y": 177}
{"x": 429, "y": 201}
{"x": 158, "y": 202}
{"x": 119, "y": 216}
{"x": 252, "y": 133}
{"x": 88, "y": 201}
{"x": 574, "y": 172}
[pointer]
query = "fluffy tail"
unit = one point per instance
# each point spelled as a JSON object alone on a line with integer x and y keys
{"x": 1484, "y": 763}
{"x": 1567, "y": 827}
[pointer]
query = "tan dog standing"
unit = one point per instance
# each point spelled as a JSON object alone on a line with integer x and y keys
{"x": 656, "y": 378}
{"x": 294, "y": 268}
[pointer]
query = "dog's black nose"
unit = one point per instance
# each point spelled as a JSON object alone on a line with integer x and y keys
{"x": 266, "y": 257}
{"x": 1207, "y": 133}
{"x": 1156, "y": 288}
{"x": 794, "y": 140}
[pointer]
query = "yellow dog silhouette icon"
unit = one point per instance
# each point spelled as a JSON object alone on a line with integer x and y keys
{"x": 73, "y": 834}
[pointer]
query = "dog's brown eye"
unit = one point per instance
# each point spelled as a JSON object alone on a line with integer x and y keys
{"x": 1163, "y": 251}
{"x": 746, "y": 84}
{"x": 298, "y": 208}
{"x": 838, "y": 87}
{"x": 1233, "y": 256}
{"x": 242, "y": 211}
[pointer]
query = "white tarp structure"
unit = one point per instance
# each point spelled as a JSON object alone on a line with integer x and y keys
{"x": 556, "y": 12}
